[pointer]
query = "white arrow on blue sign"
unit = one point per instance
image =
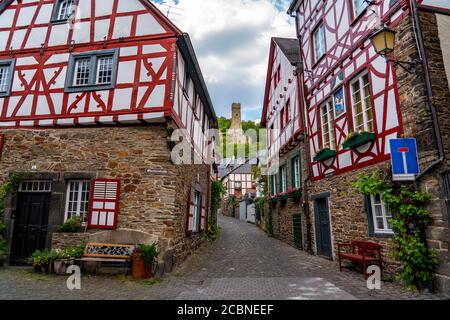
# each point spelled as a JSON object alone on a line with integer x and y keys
{"x": 405, "y": 159}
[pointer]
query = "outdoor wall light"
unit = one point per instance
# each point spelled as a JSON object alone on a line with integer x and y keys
{"x": 383, "y": 40}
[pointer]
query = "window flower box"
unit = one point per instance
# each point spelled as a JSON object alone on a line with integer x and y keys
{"x": 283, "y": 198}
{"x": 273, "y": 200}
{"x": 324, "y": 155}
{"x": 356, "y": 140}
{"x": 295, "y": 193}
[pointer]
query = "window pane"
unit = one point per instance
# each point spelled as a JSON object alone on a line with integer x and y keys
{"x": 65, "y": 9}
{"x": 82, "y": 70}
{"x": 4, "y": 78}
{"x": 105, "y": 67}
{"x": 380, "y": 224}
{"x": 319, "y": 42}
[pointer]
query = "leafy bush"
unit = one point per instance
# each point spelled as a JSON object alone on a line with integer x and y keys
{"x": 212, "y": 233}
{"x": 149, "y": 253}
{"x": 40, "y": 258}
{"x": 72, "y": 225}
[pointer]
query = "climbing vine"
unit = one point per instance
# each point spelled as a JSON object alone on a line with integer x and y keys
{"x": 11, "y": 184}
{"x": 217, "y": 192}
{"x": 409, "y": 223}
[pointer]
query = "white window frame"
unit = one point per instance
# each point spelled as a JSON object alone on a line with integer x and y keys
{"x": 297, "y": 174}
{"x": 79, "y": 201}
{"x": 36, "y": 186}
{"x": 57, "y": 15}
{"x": 365, "y": 125}
{"x": 283, "y": 177}
{"x": 328, "y": 107}
{"x": 386, "y": 215}
{"x": 319, "y": 32}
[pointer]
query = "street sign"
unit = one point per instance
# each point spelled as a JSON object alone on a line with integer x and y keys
{"x": 405, "y": 159}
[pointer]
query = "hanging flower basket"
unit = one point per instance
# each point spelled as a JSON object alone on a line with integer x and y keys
{"x": 357, "y": 140}
{"x": 274, "y": 200}
{"x": 324, "y": 155}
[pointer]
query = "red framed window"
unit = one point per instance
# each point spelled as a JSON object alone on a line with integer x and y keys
{"x": 288, "y": 111}
{"x": 104, "y": 204}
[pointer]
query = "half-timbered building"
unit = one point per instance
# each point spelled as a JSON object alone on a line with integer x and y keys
{"x": 351, "y": 92}
{"x": 284, "y": 121}
{"x": 90, "y": 93}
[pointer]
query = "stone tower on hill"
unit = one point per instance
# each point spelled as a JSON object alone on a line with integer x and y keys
{"x": 236, "y": 134}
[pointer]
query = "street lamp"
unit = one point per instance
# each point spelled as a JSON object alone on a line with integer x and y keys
{"x": 383, "y": 40}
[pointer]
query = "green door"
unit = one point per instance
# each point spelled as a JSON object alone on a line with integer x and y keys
{"x": 297, "y": 219}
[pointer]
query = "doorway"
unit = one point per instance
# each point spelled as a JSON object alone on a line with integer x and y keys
{"x": 323, "y": 227}
{"x": 30, "y": 226}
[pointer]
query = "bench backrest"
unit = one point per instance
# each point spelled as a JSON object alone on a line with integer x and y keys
{"x": 103, "y": 250}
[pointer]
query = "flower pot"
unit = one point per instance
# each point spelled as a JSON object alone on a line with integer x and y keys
{"x": 46, "y": 268}
{"x": 60, "y": 266}
{"x": 138, "y": 268}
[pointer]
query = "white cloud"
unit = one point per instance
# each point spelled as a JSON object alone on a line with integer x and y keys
{"x": 232, "y": 39}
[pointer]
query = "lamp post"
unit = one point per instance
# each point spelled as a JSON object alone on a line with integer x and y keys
{"x": 383, "y": 40}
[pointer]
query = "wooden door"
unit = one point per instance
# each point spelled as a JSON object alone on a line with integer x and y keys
{"x": 323, "y": 228}
{"x": 30, "y": 226}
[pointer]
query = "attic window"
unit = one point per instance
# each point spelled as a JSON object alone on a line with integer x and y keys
{"x": 6, "y": 76}
{"x": 63, "y": 10}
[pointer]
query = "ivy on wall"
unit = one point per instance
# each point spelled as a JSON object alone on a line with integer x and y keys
{"x": 11, "y": 184}
{"x": 409, "y": 223}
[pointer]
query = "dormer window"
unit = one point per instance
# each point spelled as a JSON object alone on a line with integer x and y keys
{"x": 6, "y": 75}
{"x": 92, "y": 71}
{"x": 63, "y": 10}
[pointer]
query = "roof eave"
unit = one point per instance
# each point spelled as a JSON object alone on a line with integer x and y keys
{"x": 294, "y": 6}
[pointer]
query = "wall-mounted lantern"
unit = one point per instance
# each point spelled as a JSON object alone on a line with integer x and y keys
{"x": 383, "y": 40}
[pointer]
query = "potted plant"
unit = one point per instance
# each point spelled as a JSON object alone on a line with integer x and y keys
{"x": 72, "y": 225}
{"x": 358, "y": 139}
{"x": 41, "y": 261}
{"x": 283, "y": 198}
{"x": 143, "y": 261}
{"x": 324, "y": 154}
{"x": 295, "y": 193}
{"x": 273, "y": 200}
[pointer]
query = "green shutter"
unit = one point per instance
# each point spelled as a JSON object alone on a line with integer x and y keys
{"x": 293, "y": 172}
{"x": 298, "y": 237}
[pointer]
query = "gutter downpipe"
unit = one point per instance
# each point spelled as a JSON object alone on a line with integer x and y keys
{"x": 426, "y": 70}
{"x": 299, "y": 69}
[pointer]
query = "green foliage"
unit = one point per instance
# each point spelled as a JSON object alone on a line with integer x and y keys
{"x": 40, "y": 258}
{"x": 72, "y": 225}
{"x": 212, "y": 233}
{"x": 217, "y": 192}
{"x": 149, "y": 253}
{"x": 11, "y": 184}
{"x": 263, "y": 180}
{"x": 409, "y": 224}
{"x": 269, "y": 227}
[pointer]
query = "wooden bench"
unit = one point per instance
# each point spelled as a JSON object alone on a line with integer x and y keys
{"x": 98, "y": 253}
{"x": 364, "y": 253}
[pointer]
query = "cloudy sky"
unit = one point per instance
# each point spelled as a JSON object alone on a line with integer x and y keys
{"x": 232, "y": 39}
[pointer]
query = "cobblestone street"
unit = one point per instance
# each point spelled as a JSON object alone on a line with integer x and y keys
{"x": 242, "y": 264}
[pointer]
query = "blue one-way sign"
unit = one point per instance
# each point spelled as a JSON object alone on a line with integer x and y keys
{"x": 405, "y": 159}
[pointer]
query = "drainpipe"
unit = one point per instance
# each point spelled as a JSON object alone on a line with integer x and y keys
{"x": 299, "y": 69}
{"x": 426, "y": 70}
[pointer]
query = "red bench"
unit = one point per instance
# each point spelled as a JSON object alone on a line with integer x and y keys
{"x": 364, "y": 253}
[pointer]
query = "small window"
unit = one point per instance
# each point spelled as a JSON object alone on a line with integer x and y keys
{"x": 362, "y": 105}
{"x": 6, "y": 77}
{"x": 283, "y": 179}
{"x": 77, "y": 201}
{"x": 296, "y": 173}
{"x": 282, "y": 118}
{"x": 446, "y": 178}
{"x": 326, "y": 112}
{"x": 358, "y": 7}
{"x": 277, "y": 76}
{"x": 288, "y": 111}
{"x": 35, "y": 186}
{"x": 273, "y": 188}
{"x": 379, "y": 216}
{"x": 319, "y": 43}
{"x": 64, "y": 9}
{"x": 187, "y": 81}
{"x": 92, "y": 71}
{"x": 196, "y": 103}
{"x": 197, "y": 211}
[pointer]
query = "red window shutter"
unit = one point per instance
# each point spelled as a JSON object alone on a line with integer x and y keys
{"x": 190, "y": 211}
{"x": 203, "y": 214}
{"x": 104, "y": 204}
